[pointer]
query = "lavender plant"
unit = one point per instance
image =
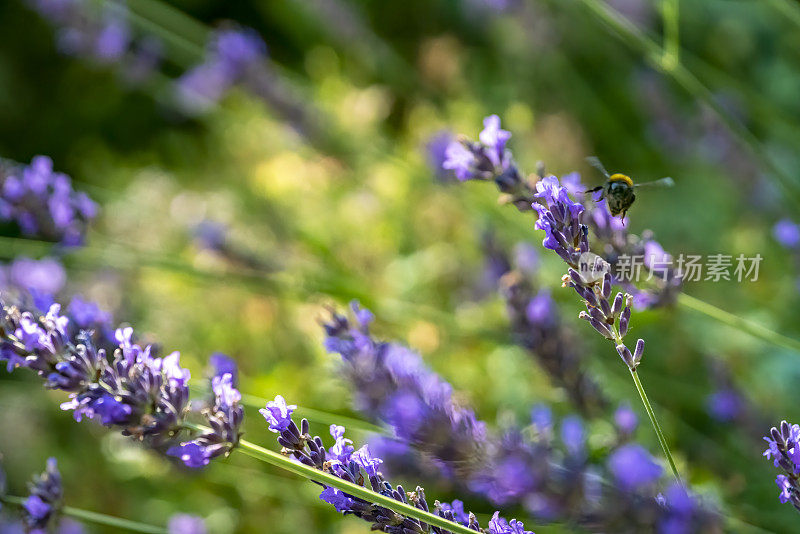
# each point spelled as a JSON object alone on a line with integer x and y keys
{"x": 489, "y": 159}
{"x": 136, "y": 392}
{"x": 225, "y": 417}
{"x": 43, "y": 511}
{"x": 784, "y": 451}
{"x": 231, "y": 56}
{"x": 41, "y": 202}
{"x": 146, "y": 397}
{"x": 100, "y": 32}
{"x": 358, "y": 467}
{"x": 515, "y": 467}
{"x": 394, "y": 385}
{"x": 537, "y": 327}
{"x": 237, "y": 56}
{"x": 42, "y": 507}
{"x": 560, "y": 217}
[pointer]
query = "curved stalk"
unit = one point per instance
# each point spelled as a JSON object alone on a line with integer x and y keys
{"x": 321, "y": 477}
{"x": 96, "y": 518}
{"x": 754, "y": 329}
{"x": 662, "y": 440}
{"x": 652, "y": 415}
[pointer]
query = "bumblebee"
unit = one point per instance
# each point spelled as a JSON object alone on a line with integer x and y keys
{"x": 618, "y": 191}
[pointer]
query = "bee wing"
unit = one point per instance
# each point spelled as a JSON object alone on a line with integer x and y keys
{"x": 595, "y": 162}
{"x": 663, "y": 182}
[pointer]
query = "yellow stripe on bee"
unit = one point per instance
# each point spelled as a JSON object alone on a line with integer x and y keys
{"x": 621, "y": 178}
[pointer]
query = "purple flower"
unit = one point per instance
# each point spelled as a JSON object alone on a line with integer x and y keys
{"x": 633, "y": 467}
{"x": 231, "y": 54}
{"x": 393, "y": 385}
{"x": 498, "y": 525}
{"x": 223, "y": 364}
{"x": 210, "y": 235}
{"x": 87, "y": 314}
{"x": 113, "y": 40}
{"x": 297, "y": 442}
{"x": 435, "y": 150}
{"x": 784, "y": 450}
{"x": 186, "y": 524}
{"x": 626, "y": 419}
{"x": 457, "y": 509}
{"x": 342, "y": 449}
{"x": 278, "y": 414}
{"x": 785, "y": 486}
{"x": 44, "y": 276}
{"x": 573, "y": 435}
{"x": 238, "y": 48}
{"x": 44, "y": 502}
{"x": 542, "y": 418}
{"x": 541, "y": 309}
{"x": 654, "y": 256}
{"x": 172, "y": 370}
{"x": 549, "y": 189}
{"x": 110, "y": 410}
{"x": 227, "y": 395}
{"x": 43, "y": 203}
{"x": 191, "y": 453}
{"x": 337, "y": 498}
{"x": 494, "y": 138}
{"x": 224, "y": 419}
{"x": 681, "y": 508}
{"x": 200, "y": 88}
{"x": 12, "y": 359}
{"x": 36, "y": 508}
{"x": 460, "y": 160}
{"x": 363, "y": 458}
{"x": 724, "y": 405}
{"x": 787, "y": 233}
{"x": 144, "y": 396}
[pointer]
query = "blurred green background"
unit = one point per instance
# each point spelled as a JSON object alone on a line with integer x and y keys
{"x": 355, "y": 211}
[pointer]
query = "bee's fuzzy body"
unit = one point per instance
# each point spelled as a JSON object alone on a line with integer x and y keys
{"x": 619, "y": 195}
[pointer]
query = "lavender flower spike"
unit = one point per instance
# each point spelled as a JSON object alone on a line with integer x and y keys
{"x": 360, "y": 467}
{"x": 42, "y": 202}
{"x": 394, "y": 385}
{"x": 278, "y": 414}
{"x": 489, "y": 159}
{"x": 231, "y": 55}
{"x": 142, "y": 395}
{"x": 536, "y": 326}
{"x": 44, "y": 502}
{"x": 784, "y": 451}
{"x": 224, "y": 417}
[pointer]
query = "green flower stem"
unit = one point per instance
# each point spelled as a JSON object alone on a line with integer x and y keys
{"x": 671, "y": 16}
{"x": 653, "y": 53}
{"x": 651, "y": 414}
{"x": 312, "y": 414}
{"x": 322, "y": 477}
{"x": 649, "y": 409}
{"x": 283, "y": 462}
{"x": 320, "y": 416}
{"x": 754, "y": 329}
{"x": 97, "y": 518}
